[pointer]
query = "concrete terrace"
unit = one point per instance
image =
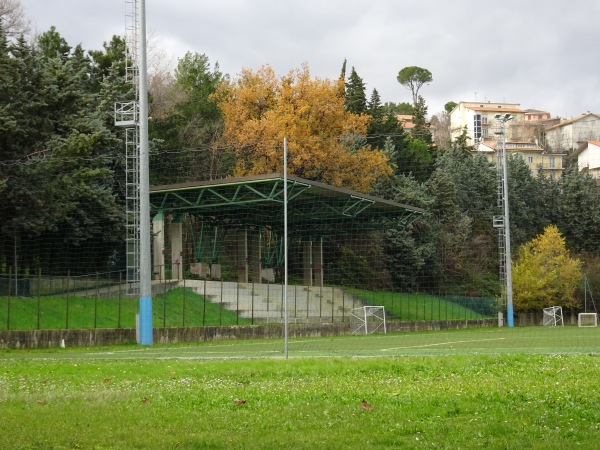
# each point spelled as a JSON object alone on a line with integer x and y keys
{"x": 264, "y": 302}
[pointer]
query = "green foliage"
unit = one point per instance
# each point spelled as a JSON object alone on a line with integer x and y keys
{"x": 464, "y": 189}
{"x": 449, "y": 106}
{"x": 413, "y": 78}
{"x": 461, "y": 143}
{"x": 374, "y": 107}
{"x": 52, "y": 44}
{"x": 579, "y": 210}
{"x": 394, "y": 109}
{"x": 355, "y": 99}
{"x": 357, "y": 265}
{"x": 545, "y": 274}
{"x": 58, "y": 149}
{"x": 408, "y": 248}
{"x": 176, "y": 308}
{"x": 421, "y": 129}
{"x": 186, "y": 129}
{"x": 405, "y": 306}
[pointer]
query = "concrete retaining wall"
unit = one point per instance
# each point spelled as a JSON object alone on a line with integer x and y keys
{"x": 34, "y": 339}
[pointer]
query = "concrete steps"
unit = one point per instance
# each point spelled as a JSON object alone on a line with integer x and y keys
{"x": 265, "y": 302}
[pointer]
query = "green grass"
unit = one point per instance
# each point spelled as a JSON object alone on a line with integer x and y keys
{"x": 183, "y": 307}
{"x": 165, "y": 397}
{"x": 178, "y": 307}
{"x": 405, "y": 306}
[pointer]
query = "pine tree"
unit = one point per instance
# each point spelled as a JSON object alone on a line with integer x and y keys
{"x": 356, "y": 100}
{"x": 374, "y": 108}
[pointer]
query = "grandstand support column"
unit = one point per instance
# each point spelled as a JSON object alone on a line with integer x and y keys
{"x": 177, "y": 266}
{"x": 318, "y": 262}
{"x": 307, "y": 262}
{"x": 158, "y": 246}
{"x": 254, "y": 258}
{"x": 242, "y": 251}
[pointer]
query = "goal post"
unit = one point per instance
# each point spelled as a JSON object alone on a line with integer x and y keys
{"x": 553, "y": 316}
{"x": 587, "y": 320}
{"x": 368, "y": 320}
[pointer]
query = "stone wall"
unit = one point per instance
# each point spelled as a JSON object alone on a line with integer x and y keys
{"x": 34, "y": 339}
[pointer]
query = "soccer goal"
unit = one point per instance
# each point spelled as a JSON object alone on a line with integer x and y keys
{"x": 553, "y": 316}
{"x": 368, "y": 320}
{"x": 587, "y": 320}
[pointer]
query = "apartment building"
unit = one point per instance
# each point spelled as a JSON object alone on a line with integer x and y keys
{"x": 479, "y": 121}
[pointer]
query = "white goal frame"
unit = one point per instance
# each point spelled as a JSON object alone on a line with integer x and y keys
{"x": 587, "y": 320}
{"x": 368, "y": 320}
{"x": 553, "y": 316}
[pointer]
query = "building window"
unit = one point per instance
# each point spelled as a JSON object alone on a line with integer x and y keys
{"x": 477, "y": 127}
{"x": 530, "y": 160}
{"x": 484, "y": 119}
{"x": 552, "y": 162}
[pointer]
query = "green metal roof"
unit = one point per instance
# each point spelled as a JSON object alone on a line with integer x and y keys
{"x": 258, "y": 200}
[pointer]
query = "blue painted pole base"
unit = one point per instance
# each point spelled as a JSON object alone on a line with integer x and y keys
{"x": 146, "y": 320}
{"x": 510, "y": 316}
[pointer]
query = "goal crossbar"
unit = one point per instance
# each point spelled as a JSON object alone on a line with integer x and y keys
{"x": 587, "y": 320}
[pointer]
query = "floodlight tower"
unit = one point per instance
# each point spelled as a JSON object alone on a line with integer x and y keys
{"x": 133, "y": 116}
{"x": 504, "y": 222}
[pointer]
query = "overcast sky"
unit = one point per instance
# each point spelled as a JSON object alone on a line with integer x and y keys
{"x": 540, "y": 54}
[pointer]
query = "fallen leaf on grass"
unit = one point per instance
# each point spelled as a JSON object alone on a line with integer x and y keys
{"x": 365, "y": 405}
{"x": 239, "y": 401}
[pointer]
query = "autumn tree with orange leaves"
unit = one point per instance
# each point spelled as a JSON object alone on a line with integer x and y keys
{"x": 325, "y": 142}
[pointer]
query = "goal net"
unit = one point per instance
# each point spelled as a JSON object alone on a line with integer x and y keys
{"x": 553, "y": 316}
{"x": 587, "y": 320}
{"x": 368, "y": 320}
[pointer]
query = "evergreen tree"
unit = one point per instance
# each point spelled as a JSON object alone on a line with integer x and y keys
{"x": 60, "y": 195}
{"x": 374, "y": 108}
{"x": 191, "y": 126}
{"x": 523, "y": 196}
{"x": 580, "y": 210}
{"x": 356, "y": 100}
{"x": 421, "y": 129}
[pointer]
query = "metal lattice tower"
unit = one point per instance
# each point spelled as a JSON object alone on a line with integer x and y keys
{"x": 127, "y": 116}
{"x": 499, "y": 224}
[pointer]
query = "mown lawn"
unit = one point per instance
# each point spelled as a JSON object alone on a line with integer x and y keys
{"x": 407, "y": 306}
{"x": 176, "y": 308}
{"x": 70, "y": 399}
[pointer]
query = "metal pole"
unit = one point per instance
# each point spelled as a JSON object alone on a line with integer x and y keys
{"x": 509, "y": 299}
{"x": 16, "y": 270}
{"x": 285, "y": 247}
{"x": 145, "y": 233}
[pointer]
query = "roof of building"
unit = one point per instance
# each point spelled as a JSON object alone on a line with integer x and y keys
{"x": 488, "y": 106}
{"x": 258, "y": 201}
{"x": 572, "y": 120}
{"x": 535, "y": 111}
{"x": 497, "y": 109}
{"x": 582, "y": 146}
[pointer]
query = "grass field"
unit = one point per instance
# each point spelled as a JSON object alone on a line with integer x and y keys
{"x": 176, "y": 308}
{"x": 520, "y": 388}
{"x": 407, "y": 306}
{"x": 183, "y": 307}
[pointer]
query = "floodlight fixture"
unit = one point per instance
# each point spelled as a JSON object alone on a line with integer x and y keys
{"x": 504, "y": 117}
